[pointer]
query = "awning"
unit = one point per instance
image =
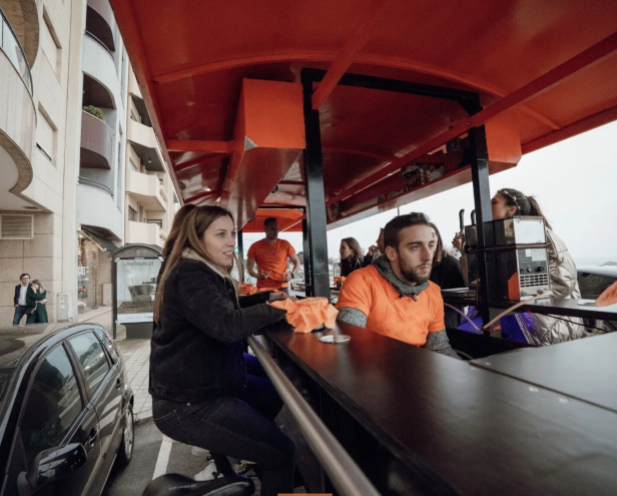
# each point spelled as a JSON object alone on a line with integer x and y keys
{"x": 104, "y": 243}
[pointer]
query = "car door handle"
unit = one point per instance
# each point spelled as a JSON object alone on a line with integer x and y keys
{"x": 94, "y": 434}
{"x": 118, "y": 382}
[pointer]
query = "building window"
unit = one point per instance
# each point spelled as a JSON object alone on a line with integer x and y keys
{"x": 51, "y": 45}
{"x": 158, "y": 222}
{"x": 46, "y": 135}
{"x": 132, "y": 214}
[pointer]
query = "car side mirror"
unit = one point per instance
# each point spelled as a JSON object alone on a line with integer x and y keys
{"x": 52, "y": 464}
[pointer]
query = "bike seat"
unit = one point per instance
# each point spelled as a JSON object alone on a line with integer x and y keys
{"x": 180, "y": 485}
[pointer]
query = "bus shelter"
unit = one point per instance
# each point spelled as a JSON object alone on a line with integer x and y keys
{"x": 134, "y": 277}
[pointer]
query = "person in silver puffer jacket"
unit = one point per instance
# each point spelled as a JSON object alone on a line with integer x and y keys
{"x": 541, "y": 330}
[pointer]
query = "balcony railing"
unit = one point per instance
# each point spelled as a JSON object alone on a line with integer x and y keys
{"x": 96, "y": 141}
{"x": 12, "y": 48}
{"x": 95, "y": 184}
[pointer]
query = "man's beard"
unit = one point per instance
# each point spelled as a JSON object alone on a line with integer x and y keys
{"x": 413, "y": 274}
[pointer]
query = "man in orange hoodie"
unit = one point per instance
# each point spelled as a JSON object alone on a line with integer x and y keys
{"x": 394, "y": 296}
{"x": 271, "y": 255}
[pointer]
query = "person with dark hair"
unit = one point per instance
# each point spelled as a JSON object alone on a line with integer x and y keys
{"x": 394, "y": 296}
{"x": 271, "y": 255}
{"x": 539, "y": 329}
{"x": 36, "y": 299}
{"x": 19, "y": 300}
{"x": 376, "y": 250}
{"x": 446, "y": 273}
{"x": 201, "y": 392}
{"x": 351, "y": 256}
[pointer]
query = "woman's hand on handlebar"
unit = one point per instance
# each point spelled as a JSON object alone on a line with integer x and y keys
{"x": 459, "y": 241}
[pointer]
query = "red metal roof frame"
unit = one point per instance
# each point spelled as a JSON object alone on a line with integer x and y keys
{"x": 556, "y": 67}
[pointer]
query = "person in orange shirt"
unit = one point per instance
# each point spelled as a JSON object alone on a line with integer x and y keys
{"x": 394, "y": 296}
{"x": 270, "y": 255}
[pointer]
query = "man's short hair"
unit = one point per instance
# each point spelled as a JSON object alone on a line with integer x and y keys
{"x": 24, "y": 274}
{"x": 396, "y": 225}
{"x": 270, "y": 220}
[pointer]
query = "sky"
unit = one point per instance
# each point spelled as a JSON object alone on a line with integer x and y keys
{"x": 574, "y": 181}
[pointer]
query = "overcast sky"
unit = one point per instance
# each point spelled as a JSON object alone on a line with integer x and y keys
{"x": 575, "y": 183}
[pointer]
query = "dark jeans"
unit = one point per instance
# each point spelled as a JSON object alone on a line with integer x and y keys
{"x": 239, "y": 426}
{"x": 20, "y": 311}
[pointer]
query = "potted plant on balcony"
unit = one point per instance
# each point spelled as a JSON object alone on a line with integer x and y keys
{"x": 95, "y": 111}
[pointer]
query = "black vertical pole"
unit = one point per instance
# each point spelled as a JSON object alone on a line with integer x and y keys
{"x": 308, "y": 280}
{"x": 241, "y": 254}
{"x": 315, "y": 196}
{"x": 482, "y": 201}
{"x": 114, "y": 295}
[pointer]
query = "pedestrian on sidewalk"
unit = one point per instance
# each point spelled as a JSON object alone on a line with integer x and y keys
{"x": 36, "y": 299}
{"x": 19, "y": 301}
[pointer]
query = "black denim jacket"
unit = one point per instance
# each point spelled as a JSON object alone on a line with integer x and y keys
{"x": 196, "y": 348}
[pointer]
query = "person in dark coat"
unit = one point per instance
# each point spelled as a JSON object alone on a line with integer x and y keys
{"x": 201, "y": 392}
{"x": 351, "y": 256}
{"x": 19, "y": 301}
{"x": 37, "y": 298}
{"x": 446, "y": 273}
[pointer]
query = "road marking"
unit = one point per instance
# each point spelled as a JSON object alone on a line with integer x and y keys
{"x": 163, "y": 458}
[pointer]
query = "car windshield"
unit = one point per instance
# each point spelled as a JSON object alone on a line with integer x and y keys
{"x": 5, "y": 381}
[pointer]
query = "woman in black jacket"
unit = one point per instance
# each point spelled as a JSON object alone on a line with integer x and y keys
{"x": 201, "y": 392}
{"x": 351, "y": 256}
{"x": 446, "y": 273}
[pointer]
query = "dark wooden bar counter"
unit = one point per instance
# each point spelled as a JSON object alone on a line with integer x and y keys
{"x": 421, "y": 423}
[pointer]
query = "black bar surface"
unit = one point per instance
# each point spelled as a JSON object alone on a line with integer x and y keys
{"x": 585, "y": 369}
{"x": 456, "y": 428}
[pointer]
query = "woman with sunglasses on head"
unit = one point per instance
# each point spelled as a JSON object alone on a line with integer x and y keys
{"x": 539, "y": 329}
{"x": 201, "y": 392}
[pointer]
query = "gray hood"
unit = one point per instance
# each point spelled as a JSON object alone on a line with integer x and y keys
{"x": 382, "y": 264}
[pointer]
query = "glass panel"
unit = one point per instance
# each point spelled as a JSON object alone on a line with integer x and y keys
{"x": 5, "y": 380}
{"x": 14, "y": 52}
{"x": 92, "y": 358}
{"x": 53, "y": 404}
{"x": 107, "y": 343}
{"x": 136, "y": 289}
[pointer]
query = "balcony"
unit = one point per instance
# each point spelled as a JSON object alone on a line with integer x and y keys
{"x": 146, "y": 189}
{"x": 17, "y": 117}
{"x": 144, "y": 143}
{"x": 95, "y": 152}
{"x": 99, "y": 22}
{"x": 96, "y": 208}
{"x": 142, "y": 232}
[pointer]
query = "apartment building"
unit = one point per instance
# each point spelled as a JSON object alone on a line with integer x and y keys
{"x": 39, "y": 149}
{"x": 76, "y": 149}
{"x": 149, "y": 191}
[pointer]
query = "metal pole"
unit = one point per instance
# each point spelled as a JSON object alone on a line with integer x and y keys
{"x": 241, "y": 254}
{"x": 482, "y": 201}
{"x": 315, "y": 196}
{"x": 342, "y": 470}
{"x": 308, "y": 279}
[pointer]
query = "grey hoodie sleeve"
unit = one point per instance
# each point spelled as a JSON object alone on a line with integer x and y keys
{"x": 438, "y": 341}
{"x": 352, "y": 316}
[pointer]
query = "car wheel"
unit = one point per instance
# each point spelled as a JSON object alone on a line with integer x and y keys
{"x": 125, "y": 454}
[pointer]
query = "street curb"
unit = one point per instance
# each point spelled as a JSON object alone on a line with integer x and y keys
{"x": 144, "y": 420}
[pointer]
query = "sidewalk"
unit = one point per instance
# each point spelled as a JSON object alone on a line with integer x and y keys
{"x": 136, "y": 354}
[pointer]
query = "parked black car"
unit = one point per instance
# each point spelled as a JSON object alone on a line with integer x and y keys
{"x": 65, "y": 410}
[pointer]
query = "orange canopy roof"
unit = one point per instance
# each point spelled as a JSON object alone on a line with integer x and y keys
{"x": 288, "y": 220}
{"x": 547, "y": 68}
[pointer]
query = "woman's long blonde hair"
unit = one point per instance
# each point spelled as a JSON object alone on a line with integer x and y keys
{"x": 190, "y": 236}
